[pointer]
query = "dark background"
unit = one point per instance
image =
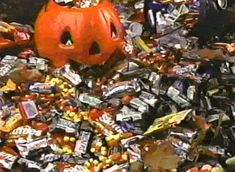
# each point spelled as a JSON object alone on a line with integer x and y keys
{"x": 22, "y": 11}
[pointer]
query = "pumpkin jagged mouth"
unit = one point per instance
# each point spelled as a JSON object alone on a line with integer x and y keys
{"x": 94, "y": 49}
{"x": 66, "y": 38}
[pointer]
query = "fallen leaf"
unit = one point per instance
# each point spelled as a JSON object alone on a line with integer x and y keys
{"x": 211, "y": 54}
{"x": 10, "y": 86}
{"x": 137, "y": 166}
{"x": 21, "y": 74}
{"x": 160, "y": 156}
{"x": 201, "y": 123}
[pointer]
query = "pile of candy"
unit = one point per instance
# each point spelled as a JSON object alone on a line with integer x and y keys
{"x": 78, "y": 3}
{"x": 170, "y": 106}
{"x": 14, "y": 34}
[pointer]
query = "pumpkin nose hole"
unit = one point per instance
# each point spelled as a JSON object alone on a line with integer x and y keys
{"x": 113, "y": 31}
{"x": 94, "y": 49}
{"x": 66, "y": 38}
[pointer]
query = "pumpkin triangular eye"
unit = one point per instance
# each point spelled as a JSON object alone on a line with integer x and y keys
{"x": 66, "y": 38}
{"x": 113, "y": 31}
{"x": 94, "y": 49}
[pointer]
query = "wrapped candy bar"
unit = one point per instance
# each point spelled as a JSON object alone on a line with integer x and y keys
{"x": 126, "y": 87}
{"x": 7, "y": 160}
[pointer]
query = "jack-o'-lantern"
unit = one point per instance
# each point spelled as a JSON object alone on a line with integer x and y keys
{"x": 86, "y": 35}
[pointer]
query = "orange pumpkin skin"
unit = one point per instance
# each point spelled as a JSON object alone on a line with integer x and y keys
{"x": 96, "y": 33}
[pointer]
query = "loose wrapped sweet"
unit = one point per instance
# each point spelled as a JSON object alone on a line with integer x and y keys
{"x": 13, "y": 35}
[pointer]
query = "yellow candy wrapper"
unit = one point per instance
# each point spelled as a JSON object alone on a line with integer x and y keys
{"x": 11, "y": 121}
{"x": 167, "y": 121}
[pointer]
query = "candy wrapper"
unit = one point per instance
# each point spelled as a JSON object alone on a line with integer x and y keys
{"x": 7, "y": 160}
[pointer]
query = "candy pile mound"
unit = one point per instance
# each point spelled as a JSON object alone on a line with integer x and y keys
{"x": 78, "y": 3}
{"x": 168, "y": 107}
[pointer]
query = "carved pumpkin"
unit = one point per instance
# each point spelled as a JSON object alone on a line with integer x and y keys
{"x": 86, "y": 35}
